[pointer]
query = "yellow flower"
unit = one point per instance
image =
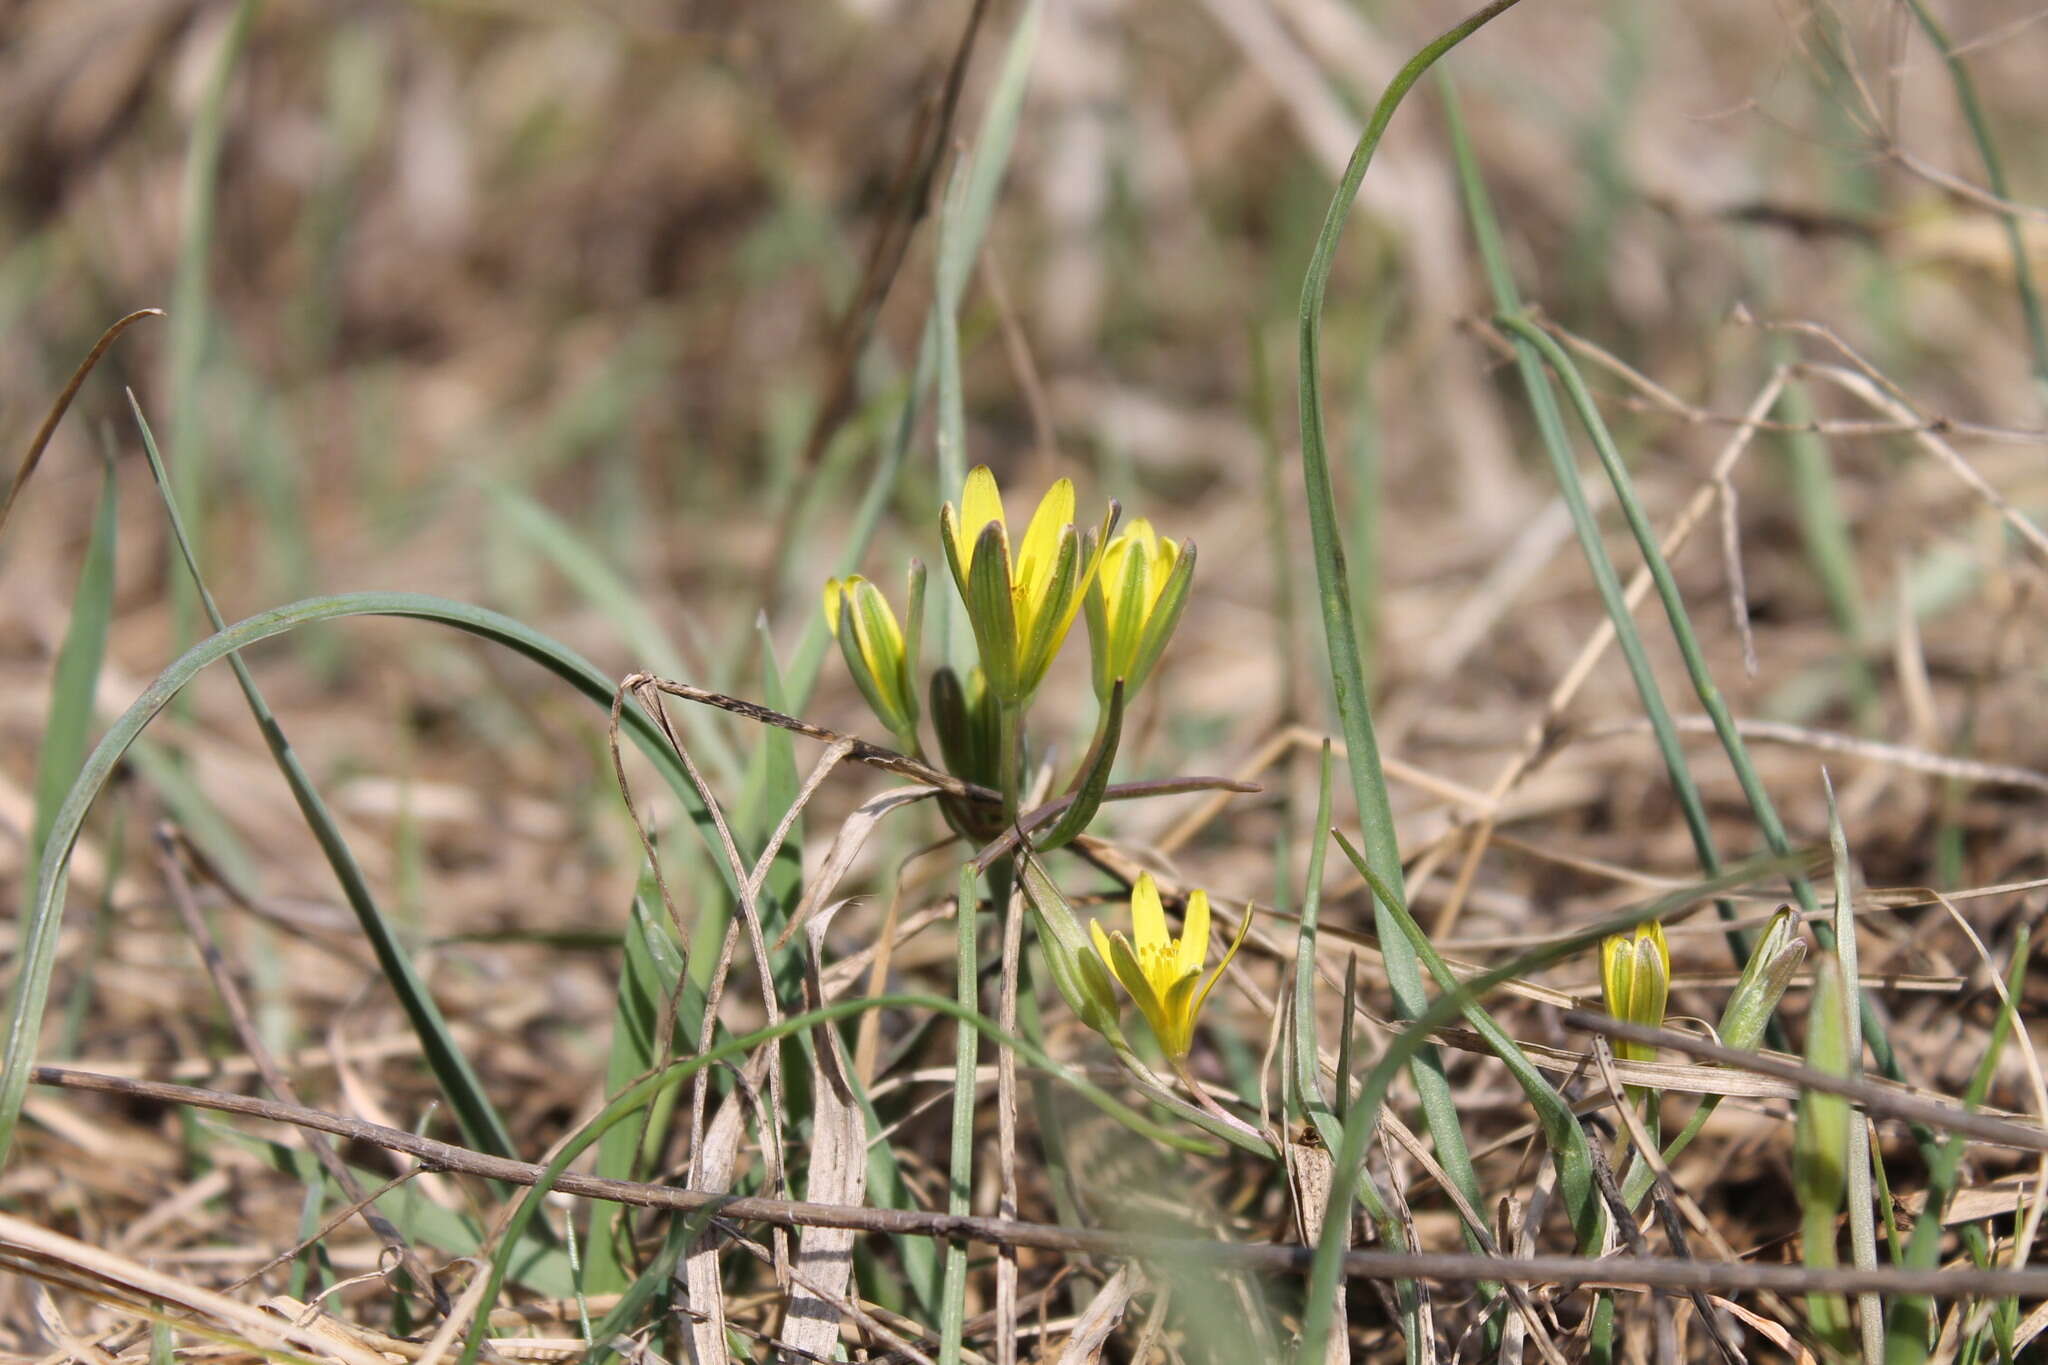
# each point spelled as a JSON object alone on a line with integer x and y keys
{"x": 1635, "y": 974}
{"x": 877, "y": 653}
{"x": 1164, "y": 975}
{"x": 1134, "y": 604}
{"x": 1020, "y": 609}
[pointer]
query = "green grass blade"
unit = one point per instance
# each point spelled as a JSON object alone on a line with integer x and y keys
{"x": 76, "y": 677}
{"x": 38, "y": 937}
{"x": 191, "y": 318}
{"x": 606, "y": 589}
{"x": 1340, "y": 631}
{"x": 1761, "y": 806}
{"x": 1909, "y": 1327}
{"x": 464, "y": 1089}
{"x": 1550, "y": 427}
{"x": 1995, "y": 181}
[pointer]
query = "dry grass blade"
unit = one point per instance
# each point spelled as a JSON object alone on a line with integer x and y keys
{"x": 34, "y": 1248}
{"x": 1098, "y": 1320}
{"x": 837, "y": 1175}
{"x": 41, "y": 440}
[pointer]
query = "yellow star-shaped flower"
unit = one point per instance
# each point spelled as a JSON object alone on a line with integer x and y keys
{"x": 1164, "y": 975}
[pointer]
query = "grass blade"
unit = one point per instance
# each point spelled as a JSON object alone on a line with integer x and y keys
{"x": 75, "y": 680}
{"x": 1550, "y": 426}
{"x": 604, "y": 588}
{"x": 1340, "y": 631}
{"x": 191, "y": 319}
{"x": 478, "y": 1118}
{"x": 37, "y": 940}
{"x": 960, "y": 1177}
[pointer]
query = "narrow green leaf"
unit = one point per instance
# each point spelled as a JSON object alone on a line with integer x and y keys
{"x": 1074, "y": 819}
{"x": 76, "y": 678}
{"x": 604, "y": 588}
{"x": 1354, "y": 709}
{"x": 38, "y": 936}
{"x": 478, "y": 1118}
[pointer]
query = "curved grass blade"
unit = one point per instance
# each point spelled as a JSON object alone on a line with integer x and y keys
{"x": 604, "y": 588}
{"x": 38, "y": 937}
{"x": 478, "y": 1118}
{"x": 1340, "y": 630}
{"x": 1550, "y": 426}
{"x": 41, "y": 440}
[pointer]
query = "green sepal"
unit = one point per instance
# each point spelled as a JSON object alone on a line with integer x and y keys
{"x": 1772, "y": 964}
{"x": 1075, "y": 819}
{"x": 1077, "y": 970}
{"x": 993, "y": 613}
{"x": 1164, "y": 616}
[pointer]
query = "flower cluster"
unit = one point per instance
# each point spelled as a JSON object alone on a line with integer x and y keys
{"x": 1021, "y": 600}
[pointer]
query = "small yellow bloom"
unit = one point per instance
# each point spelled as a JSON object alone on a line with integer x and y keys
{"x": 1134, "y": 604}
{"x": 876, "y": 650}
{"x": 1164, "y": 975}
{"x": 1021, "y": 608}
{"x": 1635, "y": 974}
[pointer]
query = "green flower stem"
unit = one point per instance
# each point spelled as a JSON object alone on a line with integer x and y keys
{"x": 1010, "y": 762}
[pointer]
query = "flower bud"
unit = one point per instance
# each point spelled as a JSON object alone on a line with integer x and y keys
{"x": 881, "y": 658}
{"x": 1133, "y": 605}
{"x": 1635, "y": 974}
{"x": 1020, "y": 607}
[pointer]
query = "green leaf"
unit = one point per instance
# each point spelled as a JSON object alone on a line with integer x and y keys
{"x": 76, "y": 678}
{"x": 37, "y": 940}
{"x": 1368, "y": 782}
{"x": 1074, "y": 819}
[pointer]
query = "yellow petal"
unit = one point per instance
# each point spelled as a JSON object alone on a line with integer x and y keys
{"x": 980, "y": 503}
{"x": 1194, "y": 933}
{"x": 1236, "y": 941}
{"x": 1101, "y": 942}
{"x": 1148, "y": 917}
{"x": 1163, "y": 560}
{"x": 1040, "y": 551}
{"x": 835, "y": 593}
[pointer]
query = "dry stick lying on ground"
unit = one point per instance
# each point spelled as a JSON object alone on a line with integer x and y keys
{"x": 1879, "y": 1101}
{"x": 1719, "y": 1277}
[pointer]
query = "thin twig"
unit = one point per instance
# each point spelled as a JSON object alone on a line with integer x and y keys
{"x": 1268, "y": 1257}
